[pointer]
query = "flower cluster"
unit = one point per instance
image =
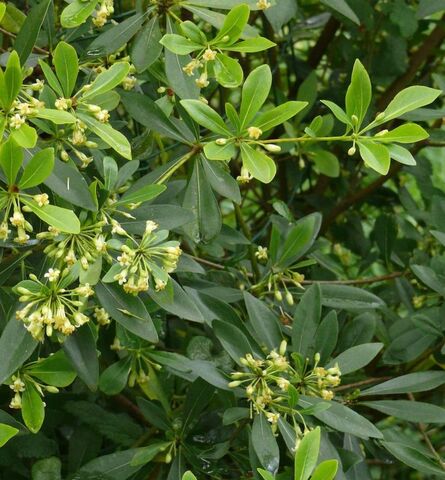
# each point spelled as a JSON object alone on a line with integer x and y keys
{"x": 103, "y": 12}
{"x": 22, "y": 110}
{"x": 84, "y": 247}
{"x": 267, "y": 382}
{"x": 147, "y": 262}
{"x": 200, "y": 62}
{"x": 51, "y": 306}
{"x": 13, "y": 216}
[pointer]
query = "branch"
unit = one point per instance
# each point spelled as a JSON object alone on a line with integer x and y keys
{"x": 324, "y": 40}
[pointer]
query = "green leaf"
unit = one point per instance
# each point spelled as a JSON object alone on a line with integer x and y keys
{"x": 77, "y": 13}
{"x": 25, "y": 136}
{"x": 233, "y": 25}
{"x": 30, "y": 29}
{"x": 251, "y": 45}
{"x": 13, "y": 79}
{"x": 107, "y": 80}
{"x": 409, "y": 410}
{"x": 58, "y": 117}
{"x": 265, "y": 325}
{"x": 326, "y": 336}
{"x": 205, "y": 116}
{"x": 115, "y": 466}
{"x": 127, "y": 310}
{"x": 254, "y": 93}
{"x": 33, "y": 410}
{"x": 258, "y": 164}
{"x": 415, "y": 459}
{"x": 228, "y": 71}
{"x": 326, "y": 162}
{"x": 144, "y": 194}
{"x": 307, "y": 454}
{"x": 233, "y": 340}
{"x": 213, "y": 151}
{"x": 147, "y": 454}
{"x": 410, "y": 383}
{"x": 407, "y": 133}
{"x": 342, "y": 418}
{"x": 221, "y": 181}
{"x": 265, "y": 474}
{"x": 150, "y": 34}
{"x": 114, "y": 378}
{"x": 111, "y": 173}
{"x": 326, "y": 470}
{"x": 278, "y": 115}
{"x": 2, "y": 10}
{"x": 200, "y": 199}
{"x": 265, "y": 444}
{"x": 401, "y": 155}
{"x": 429, "y": 7}
{"x": 54, "y": 370}
{"x": 6, "y": 433}
{"x": 47, "y": 469}
{"x": 116, "y": 140}
{"x": 80, "y": 349}
{"x": 11, "y": 159}
{"x": 61, "y": 218}
{"x": 356, "y": 357}
{"x": 38, "y": 169}
{"x": 430, "y": 278}
{"x": 339, "y": 113}
{"x": 51, "y": 78}
{"x": 409, "y": 99}
{"x": 188, "y": 476}
{"x": 115, "y": 37}
{"x": 13, "y": 358}
{"x": 358, "y": 95}
{"x": 375, "y": 156}
{"x": 306, "y": 320}
{"x": 349, "y": 298}
{"x": 179, "y": 44}
{"x": 66, "y": 64}
{"x": 341, "y": 6}
{"x": 299, "y": 240}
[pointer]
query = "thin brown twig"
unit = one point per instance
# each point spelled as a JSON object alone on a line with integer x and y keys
{"x": 362, "y": 382}
{"x": 35, "y": 47}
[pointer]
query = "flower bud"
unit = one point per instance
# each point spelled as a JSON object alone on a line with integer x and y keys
{"x": 221, "y": 141}
{"x": 271, "y": 147}
{"x": 351, "y": 151}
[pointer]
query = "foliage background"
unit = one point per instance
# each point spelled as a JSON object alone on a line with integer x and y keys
{"x": 381, "y": 234}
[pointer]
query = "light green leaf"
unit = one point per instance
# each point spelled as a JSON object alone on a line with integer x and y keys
{"x": 25, "y": 136}
{"x": 307, "y": 454}
{"x": 407, "y": 133}
{"x": 409, "y": 99}
{"x": 401, "y": 155}
{"x": 213, "y": 151}
{"x": 255, "y": 91}
{"x": 277, "y": 115}
{"x": 206, "y": 116}
{"x": 258, "y": 164}
{"x": 326, "y": 162}
{"x": 326, "y": 470}
{"x": 108, "y": 79}
{"x": 339, "y": 113}
{"x": 179, "y": 44}
{"x": 114, "y": 378}
{"x": 375, "y": 156}
{"x": 38, "y": 169}
{"x": 11, "y": 159}
{"x": 13, "y": 78}
{"x": 251, "y": 45}
{"x": 66, "y": 64}
{"x": 6, "y": 431}
{"x": 147, "y": 192}
{"x": 77, "y": 13}
{"x": 228, "y": 71}
{"x": 233, "y": 25}
{"x": 358, "y": 95}
{"x": 341, "y": 6}
{"x": 54, "y": 370}
{"x": 33, "y": 410}
{"x": 51, "y": 78}
{"x": 58, "y": 117}
{"x": 116, "y": 140}
{"x": 61, "y": 218}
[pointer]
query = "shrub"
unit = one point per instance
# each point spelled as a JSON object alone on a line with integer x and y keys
{"x": 221, "y": 246}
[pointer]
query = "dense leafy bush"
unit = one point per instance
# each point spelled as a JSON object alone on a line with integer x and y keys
{"x": 221, "y": 247}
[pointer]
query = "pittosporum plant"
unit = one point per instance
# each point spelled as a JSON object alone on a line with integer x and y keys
{"x": 221, "y": 247}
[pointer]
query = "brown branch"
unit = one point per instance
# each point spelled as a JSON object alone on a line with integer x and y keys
{"x": 362, "y": 382}
{"x": 324, "y": 40}
{"x": 133, "y": 410}
{"x": 35, "y": 47}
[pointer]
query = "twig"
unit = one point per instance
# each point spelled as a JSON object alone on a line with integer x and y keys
{"x": 422, "y": 430}
{"x": 35, "y": 47}
{"x": 361, "y": 383}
